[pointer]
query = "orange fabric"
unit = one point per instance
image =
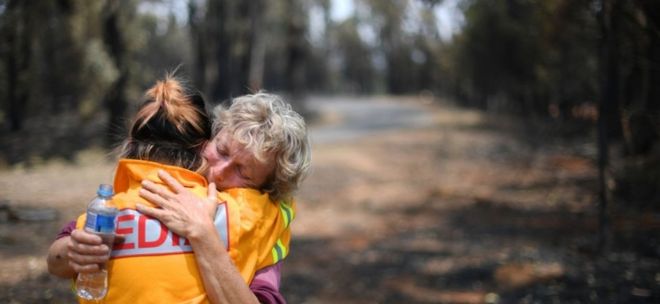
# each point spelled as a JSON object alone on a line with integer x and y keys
{"x": 156, "y": 266}
{"x": 261, "y": 225}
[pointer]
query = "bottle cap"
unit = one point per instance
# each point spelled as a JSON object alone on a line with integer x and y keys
{"x": 104, "y": 190}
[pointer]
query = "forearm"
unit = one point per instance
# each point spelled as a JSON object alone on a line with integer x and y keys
{"x": 222, "y": 281}
{"x": 58, "y": 261}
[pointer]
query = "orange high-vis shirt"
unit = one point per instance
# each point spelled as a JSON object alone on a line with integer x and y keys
{"x": 154, "y": 265}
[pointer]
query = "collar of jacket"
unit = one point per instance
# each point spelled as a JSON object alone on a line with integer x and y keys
{"x": 130, "y": 171}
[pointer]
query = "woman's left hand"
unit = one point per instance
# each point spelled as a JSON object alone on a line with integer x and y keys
{"x": 180, "y": 210}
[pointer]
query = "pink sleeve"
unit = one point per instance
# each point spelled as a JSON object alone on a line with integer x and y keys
{"x": 66, "y": 230}
{"x": 266, "y": 285}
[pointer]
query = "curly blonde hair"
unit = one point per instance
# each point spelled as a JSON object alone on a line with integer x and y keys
{"x": 266, "y": 125}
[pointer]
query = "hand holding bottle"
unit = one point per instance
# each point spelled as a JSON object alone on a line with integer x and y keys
{"x": 86, "y": 251}
{"x": 99, "y": 234}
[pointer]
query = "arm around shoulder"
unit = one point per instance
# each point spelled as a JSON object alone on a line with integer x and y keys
{"x": 222, "y": 281}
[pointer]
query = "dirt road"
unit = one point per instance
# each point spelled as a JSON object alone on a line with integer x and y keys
{"x": 344, "y": 118}
{"x": 407, "y": 202}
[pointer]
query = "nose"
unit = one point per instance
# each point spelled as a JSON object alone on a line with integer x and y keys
{"x": 222, "y": 167}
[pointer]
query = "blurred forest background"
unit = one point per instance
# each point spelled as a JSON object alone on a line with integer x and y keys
{"x": 87, "y": 63}
{"x": 73, "y": 71}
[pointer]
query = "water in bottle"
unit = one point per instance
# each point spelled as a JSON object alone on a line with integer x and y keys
{"x": 101, "y": 220}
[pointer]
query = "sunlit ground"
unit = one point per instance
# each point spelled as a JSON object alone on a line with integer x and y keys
{"x": 443, "y": 205}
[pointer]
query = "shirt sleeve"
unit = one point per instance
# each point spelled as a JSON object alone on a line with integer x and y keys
{"x": 66, "y": 230}
{"x": 266, "y": 285}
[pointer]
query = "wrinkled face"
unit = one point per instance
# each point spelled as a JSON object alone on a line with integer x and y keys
{"x": 233, "y": 166}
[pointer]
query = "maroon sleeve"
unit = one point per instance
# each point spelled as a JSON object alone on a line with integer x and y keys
{"x": 66, "y": 230}
{"x": 266, "y": 285}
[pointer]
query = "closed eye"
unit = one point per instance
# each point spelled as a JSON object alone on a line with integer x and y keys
{"x": 248, "y": 180}
{"x": 241, "y": 173}
{"x": 222, "y": 152}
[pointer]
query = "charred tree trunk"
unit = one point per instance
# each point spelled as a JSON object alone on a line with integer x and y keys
{"x": 258, "y": 50}
{"x": 17, "y": 64}
{"x": 218, "y": 13}
{"x": 235, "y": 31}
{"x": 295, "y": 55}
{"x": 651, "y": 10}
{"x": 115, "y": 100}
{"x": 243, "y": 36}
{"x": 197, "y": 31}
{"x": 641, "y": 90}
{"x": 608, "y": 118}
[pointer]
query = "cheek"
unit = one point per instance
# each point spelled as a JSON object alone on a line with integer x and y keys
{"x": 218, "y": 171}
{"x": 227, "y": 183}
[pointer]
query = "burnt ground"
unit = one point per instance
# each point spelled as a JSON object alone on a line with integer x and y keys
{"x": 463, "y": 208}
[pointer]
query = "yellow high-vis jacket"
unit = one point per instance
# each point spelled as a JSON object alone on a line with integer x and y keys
{"x": 154, "y": 265}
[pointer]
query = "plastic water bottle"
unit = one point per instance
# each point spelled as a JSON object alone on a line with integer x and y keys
{"x": 101, "y": 220}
